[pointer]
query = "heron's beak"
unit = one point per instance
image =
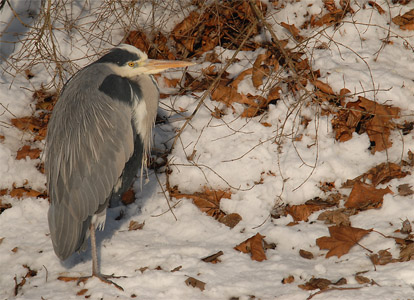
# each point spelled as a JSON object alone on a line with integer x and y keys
{"x": 155, "y": 66}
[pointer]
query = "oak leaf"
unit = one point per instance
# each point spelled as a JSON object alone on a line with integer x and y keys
{"x": 342, "y": 239}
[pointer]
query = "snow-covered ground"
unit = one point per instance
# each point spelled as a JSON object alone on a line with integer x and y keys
{"x": 238, "y": 154}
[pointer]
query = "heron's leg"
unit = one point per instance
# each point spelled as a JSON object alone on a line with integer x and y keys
{"x": 95, "y": 267}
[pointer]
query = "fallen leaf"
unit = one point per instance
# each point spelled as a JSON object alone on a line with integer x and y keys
{"x": 324, "y": 87}
{"x": 407, "y": 252}
{"x": 329, "y": 18}
{"x": 176, "y": 269}
{"x": 315, "y": 283}
{"x": 27, "y": 151}
{"x": 303, "y": 211}
{"x": 4, "y": 206}
{"x": 305, "y": 254}
{"x": 342, "y": 239}
{"x": 293, "y": 31}
{"x": 405, "y": 21}
{"x": 377, "y": 7}
{"x": 367, "y": 116}
{"x": 330, "y": 5}
{"x": 365, "y": 196}
{"x": 289, "y": 279}
{"x": 208, "y": 202}
{"x": 406, "y": 227}
{"x": 405, "y": 190}
{"x": 134, "y": 225}
{"x": 81, "y": 292}
{"x": 214, "y": 258}
{"x": 362, "y": 279}
{"x": 24, "y": 193}
{"x": 128, "y": 197}
{"x": 338, "y": 217}
{"x": 383, "y": 257}
{"x": 254, "y": 246}
{"x": 195, "y": 283}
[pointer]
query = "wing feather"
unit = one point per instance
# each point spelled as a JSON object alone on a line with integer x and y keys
{"x": 89, "y": 140}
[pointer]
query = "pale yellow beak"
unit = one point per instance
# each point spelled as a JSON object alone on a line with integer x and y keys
{"x": 155, "y": 66}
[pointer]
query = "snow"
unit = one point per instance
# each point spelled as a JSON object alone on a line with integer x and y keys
{"x": 230, "y": 153}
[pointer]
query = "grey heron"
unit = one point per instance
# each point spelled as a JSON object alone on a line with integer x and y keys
{"x": 98, "y": 136}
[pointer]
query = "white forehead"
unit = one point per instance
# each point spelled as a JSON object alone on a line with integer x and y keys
{"x": 132, "y": 49}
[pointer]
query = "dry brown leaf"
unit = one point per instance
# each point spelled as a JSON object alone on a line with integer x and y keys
{"x": 405, "y": 20}
{"x": 405, "y": 189}
{"x": 195, "y": 283}
{"x": 330, "y": 5}
{"x": 407, "y": 252}
{"x": 315, "y": 283}
{"x": 377, "y": 7}
{"x": 305, "y": 254}
{"x": 214, "y": 258}
{"x": 362, "y": 279}
{"x": 4, "y": 206}
{"x": 379, "y": 126}
{"x": 329, "y": 19}
{"x": 324, "y": 87}
{"x": 368, "y": 116}
{"x": 176, "y": 269}
{"x": 384, "y": 173}
{"x": 383, "y": 257}
{"x": 406, "y": 227}
{"x": 128, "y": 197}
{"x": 27, "y": 151}
{"x": 208, "y": 202}
{"x": 254, "y": 246}
{"x": 134, "y": 225}
{"x": 81, "y": 292}
{"x": 338, "y": 217}
{"x": 303, "y": 211}
{"x": 24, "y": 192}
{"x": 365, "y": 196}
{"x": 289, "y": 279}
{"x": 293, "y": 31}
{"x": 139, "y": 40}
{"x": 342, "y": 239}
{"x": 235, "y": 83}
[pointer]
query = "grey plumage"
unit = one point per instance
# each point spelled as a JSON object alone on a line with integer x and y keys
{"x": 98, "y": 136}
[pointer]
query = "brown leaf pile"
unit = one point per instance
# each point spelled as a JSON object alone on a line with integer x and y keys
{"x": 366, "y": 116}
{"x": 221, "y": 23}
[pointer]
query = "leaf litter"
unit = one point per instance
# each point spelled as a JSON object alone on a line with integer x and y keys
{"x": 363, "y": 116}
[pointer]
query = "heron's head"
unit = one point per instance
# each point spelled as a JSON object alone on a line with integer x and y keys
{"x": 128, "y": 61}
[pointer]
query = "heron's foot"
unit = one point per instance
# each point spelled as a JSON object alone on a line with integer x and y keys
{"x": 104, "y": 278}
{"x": 101, "y": 277}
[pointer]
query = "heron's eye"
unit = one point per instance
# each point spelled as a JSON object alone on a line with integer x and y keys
{"x": 131, "y": 64}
